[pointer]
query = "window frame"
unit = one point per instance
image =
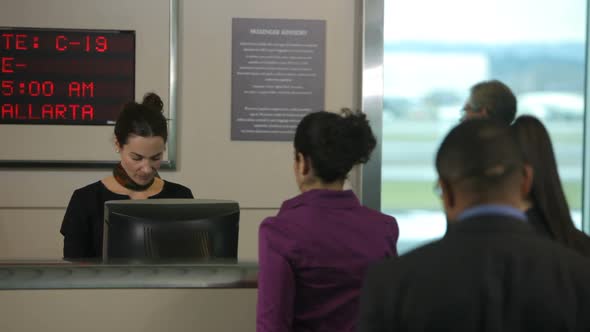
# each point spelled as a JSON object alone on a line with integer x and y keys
{"x": 372, "y": 12}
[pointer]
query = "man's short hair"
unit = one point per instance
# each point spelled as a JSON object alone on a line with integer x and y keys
{"x": 497, "y": 98}
{"x": 480, "y": 156}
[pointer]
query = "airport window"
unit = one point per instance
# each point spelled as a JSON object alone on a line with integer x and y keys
{"x": 434, "y": 51}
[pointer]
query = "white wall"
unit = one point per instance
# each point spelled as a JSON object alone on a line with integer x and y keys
{"x": 256, "y": 174}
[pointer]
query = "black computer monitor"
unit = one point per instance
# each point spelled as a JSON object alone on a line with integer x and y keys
{"x": 171, "y": 229}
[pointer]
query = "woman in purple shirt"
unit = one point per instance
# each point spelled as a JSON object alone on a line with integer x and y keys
{"x": 313, "y": 255}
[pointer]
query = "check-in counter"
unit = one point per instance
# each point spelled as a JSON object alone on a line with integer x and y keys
{"x": 93, "y": 296}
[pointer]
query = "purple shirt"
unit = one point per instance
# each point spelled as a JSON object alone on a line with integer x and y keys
{"x": 313, "y": 257}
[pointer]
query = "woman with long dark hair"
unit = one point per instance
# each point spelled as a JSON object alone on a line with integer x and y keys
{"x": 548, "y": 212}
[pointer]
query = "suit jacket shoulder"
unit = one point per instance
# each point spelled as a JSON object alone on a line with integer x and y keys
{"x": 493, "y": 270}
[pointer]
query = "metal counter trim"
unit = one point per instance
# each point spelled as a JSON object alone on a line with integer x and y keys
{"x": 106, "y": 276}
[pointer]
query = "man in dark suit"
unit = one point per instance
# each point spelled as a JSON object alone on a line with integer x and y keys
{"x": 491, "y": 271}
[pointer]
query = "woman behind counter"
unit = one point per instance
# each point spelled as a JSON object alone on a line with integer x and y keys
{"x": 313, "y": 255}
{"x": 141, "y": 132}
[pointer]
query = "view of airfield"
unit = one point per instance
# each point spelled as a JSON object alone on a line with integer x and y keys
{"x": 429, "y": 66}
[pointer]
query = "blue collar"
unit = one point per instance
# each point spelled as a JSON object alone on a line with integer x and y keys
{"x": 495, "y": 209}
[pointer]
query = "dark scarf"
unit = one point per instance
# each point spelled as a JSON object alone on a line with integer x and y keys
{"x": 123, "y": 179}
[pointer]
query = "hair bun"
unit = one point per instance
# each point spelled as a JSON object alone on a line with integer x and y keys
{"x": 334, "y": 142}
{"x": 359, "y": 135}
{"x": 153, "y": 101}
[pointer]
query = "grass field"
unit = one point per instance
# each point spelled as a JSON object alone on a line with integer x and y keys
{"x": 421, "y": 139}
{"x": 401, "y": 195}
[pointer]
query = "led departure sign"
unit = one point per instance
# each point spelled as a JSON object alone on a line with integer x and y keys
{"x": 52, "y": 76}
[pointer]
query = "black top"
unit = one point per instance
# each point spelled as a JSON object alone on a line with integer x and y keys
{"x": 537, "y": 221}
{"x": 580, "y": 241}
{"x": 489, "y": 273}
{"x": 83, "y": 222}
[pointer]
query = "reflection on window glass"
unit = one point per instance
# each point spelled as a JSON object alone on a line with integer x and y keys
{"x": 435, "y": 51}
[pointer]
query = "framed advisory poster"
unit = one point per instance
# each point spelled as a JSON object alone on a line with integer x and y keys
{"x": 278, "y": 76}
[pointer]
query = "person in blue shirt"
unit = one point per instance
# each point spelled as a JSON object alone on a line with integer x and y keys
{"x": 491, "y": 271}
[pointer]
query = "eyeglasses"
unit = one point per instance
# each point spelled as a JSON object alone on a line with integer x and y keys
{"x": 437, "y": 189}
{"x": 470, "y": 109}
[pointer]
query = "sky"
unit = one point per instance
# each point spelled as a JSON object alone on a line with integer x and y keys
{"x": 492, "y": 21}
{"x": 413, "y": 75}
